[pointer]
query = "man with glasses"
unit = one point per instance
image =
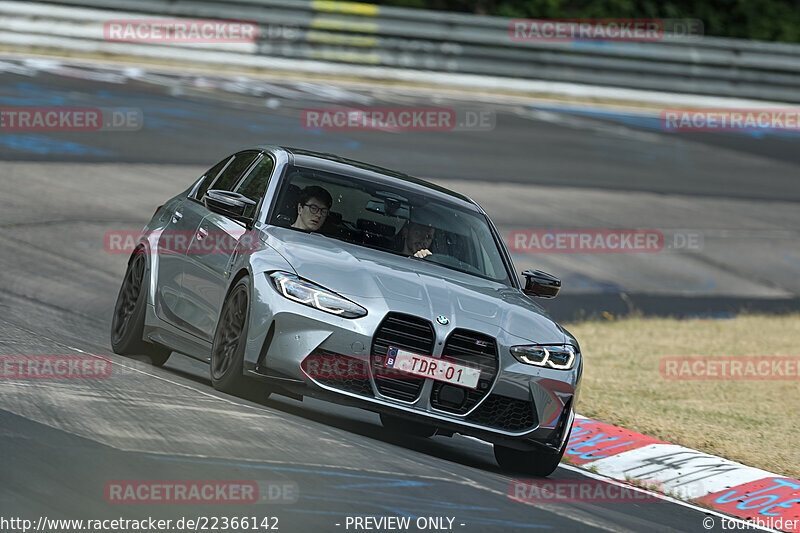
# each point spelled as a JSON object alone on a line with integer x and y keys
{"x": 312, "y": 208}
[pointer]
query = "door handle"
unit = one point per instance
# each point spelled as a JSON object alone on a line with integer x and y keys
{"x": 202, "y": 233}
{"x": 177, "y": 216}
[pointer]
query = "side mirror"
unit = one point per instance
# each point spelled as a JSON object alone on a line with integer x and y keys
{"x": 541, "y": 284}
{"x": 230, "y": 204}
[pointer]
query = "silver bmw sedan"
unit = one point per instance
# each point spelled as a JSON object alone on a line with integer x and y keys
{"x": 306, "y": 274}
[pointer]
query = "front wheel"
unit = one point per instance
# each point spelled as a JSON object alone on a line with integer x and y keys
{"x": 127, "y": 323}
{"x": 227, "y": 350}
{"x": 533, "y": 462}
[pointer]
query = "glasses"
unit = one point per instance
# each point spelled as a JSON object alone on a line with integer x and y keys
{"x": 316, "y": 209}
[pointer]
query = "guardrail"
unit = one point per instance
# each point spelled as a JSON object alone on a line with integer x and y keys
{"x": 419, "y": 40}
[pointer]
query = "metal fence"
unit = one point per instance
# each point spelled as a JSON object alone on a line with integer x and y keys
{"x": 420, "y": 41}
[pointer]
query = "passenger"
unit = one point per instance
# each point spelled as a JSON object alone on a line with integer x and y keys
{"x": 312, "y": 208}
{"x": 417, "y": 238}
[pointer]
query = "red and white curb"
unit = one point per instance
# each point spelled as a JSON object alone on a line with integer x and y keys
{"x": 725, "y": 486}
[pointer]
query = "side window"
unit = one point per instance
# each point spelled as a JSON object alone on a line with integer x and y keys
{"x": 208, "y": 178}
{"x": 255, "y": 184}
{"x": 230, "y": 176}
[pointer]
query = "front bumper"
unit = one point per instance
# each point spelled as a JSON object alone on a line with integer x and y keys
{"x": 523, "y": 406}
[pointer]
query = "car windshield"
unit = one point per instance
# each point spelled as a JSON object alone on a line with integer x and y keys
{"x": 391, "y": 219}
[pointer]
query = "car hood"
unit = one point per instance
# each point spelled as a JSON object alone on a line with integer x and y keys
{"x": 413, "y": 285}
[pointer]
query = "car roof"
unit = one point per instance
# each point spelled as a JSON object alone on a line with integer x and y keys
{"x": 336, "y": 164}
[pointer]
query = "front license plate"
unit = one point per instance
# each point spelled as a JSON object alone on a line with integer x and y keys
{"x": 430, "y": 367}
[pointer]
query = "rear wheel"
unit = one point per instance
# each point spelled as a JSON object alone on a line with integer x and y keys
{"x": 406, "y": 427}
{"x": 227, "y": 350}
{"x": 534, "y": 462}
{"x": 127, "y": 323}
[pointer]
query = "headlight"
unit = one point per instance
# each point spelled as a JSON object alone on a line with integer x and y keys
{"x": 560, "y": 357}
{"x": 307, "y": 293}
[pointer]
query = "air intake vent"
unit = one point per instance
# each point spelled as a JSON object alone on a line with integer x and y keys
{"x": 505, "y": 413}
{"x": 474, "y": 350}
{"x": 338, "y": 371}
{"x": 409, "y": 333}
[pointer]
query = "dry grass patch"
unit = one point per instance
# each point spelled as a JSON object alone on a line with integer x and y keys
{"x": 754, "y": 422}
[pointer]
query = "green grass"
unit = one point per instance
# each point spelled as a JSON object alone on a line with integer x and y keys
{"x": 754, "y": 422}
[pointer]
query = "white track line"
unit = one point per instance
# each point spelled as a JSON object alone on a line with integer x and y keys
{"x": 745, "y": 524}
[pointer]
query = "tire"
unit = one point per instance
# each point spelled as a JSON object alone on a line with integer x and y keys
{"x": 402, "y": 426}
{"x": 533, "y": 462}
{"x": 127, "y": 322}
{"x": 227, "y": 349}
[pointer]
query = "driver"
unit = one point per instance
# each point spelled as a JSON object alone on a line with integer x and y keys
{"x": 417, "y": 238}
{"x": 312, "y": 208}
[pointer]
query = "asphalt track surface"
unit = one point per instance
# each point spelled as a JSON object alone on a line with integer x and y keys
{"x": 62, "y": 442}
{"x": 541, "y": 166}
